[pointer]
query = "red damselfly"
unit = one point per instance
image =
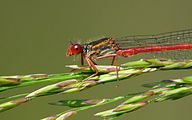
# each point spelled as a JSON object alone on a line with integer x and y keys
{"x": 171, "y": 45}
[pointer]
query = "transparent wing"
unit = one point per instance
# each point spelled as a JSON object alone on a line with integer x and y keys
{"x": 169, "y": 38}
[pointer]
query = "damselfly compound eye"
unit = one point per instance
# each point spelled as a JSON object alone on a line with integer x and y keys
{"x": 76, "y": 49}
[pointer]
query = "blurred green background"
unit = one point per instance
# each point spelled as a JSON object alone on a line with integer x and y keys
{"x": 35, "y": 34}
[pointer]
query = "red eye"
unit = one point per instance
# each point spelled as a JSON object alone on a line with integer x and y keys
{"x": 76, "y": 49}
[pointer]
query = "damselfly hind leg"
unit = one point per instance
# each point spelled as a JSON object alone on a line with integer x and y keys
{"x": 114, "y": 56}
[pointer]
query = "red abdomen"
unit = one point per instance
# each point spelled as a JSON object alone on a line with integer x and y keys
{"x": 134, "y": 50}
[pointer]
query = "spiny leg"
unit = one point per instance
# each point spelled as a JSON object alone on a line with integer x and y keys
{"x": 90, "y": 63}
{"x": 82, "y": 64}
{"x": 113, "y": 61}
{"x": 93, "y": 62}
{"x": 112, "y": 55}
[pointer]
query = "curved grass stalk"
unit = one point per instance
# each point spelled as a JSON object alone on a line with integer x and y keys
{"x": 72, "y": 82}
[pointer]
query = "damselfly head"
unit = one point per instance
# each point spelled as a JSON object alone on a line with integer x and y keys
{"x": 74, "y": 49}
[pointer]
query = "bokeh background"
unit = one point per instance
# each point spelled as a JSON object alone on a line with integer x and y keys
{"x": 35, "y": 34}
